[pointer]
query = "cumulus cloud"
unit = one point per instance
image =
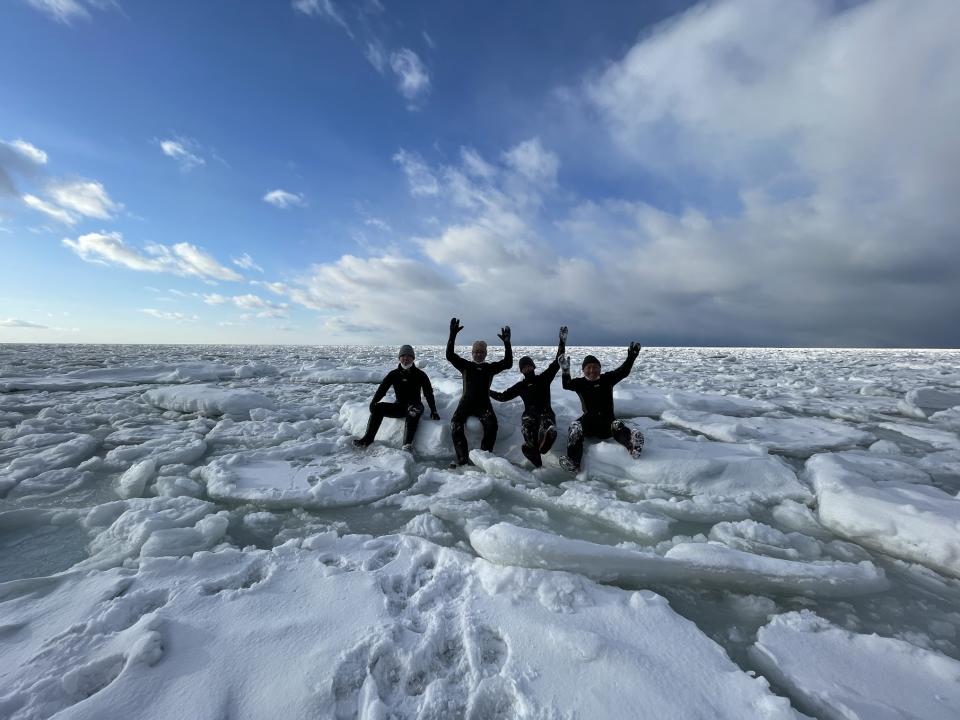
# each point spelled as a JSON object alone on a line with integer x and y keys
{"x": 284, "y": 199}
{"x": 180, "y": 259}
{"x": 184, "y": 151}
{"x": 246, "y": 262}
{"x": 173, "y": 316}
{"x": 18, "y": 157}
{"x": 413, "y": 79}
{"x": 16, "y": 323}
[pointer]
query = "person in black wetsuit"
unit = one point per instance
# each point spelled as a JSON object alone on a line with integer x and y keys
{"x": 538, "y": 424}
{"x": 475, "y": 399}
{"x": 596, "y": 398}
{"x": 407, "y": 381}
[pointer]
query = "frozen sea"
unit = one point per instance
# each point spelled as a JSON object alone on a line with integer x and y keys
{"x": 187, "y": 531}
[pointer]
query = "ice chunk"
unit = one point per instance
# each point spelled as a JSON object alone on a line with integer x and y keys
{"x": 722, "y": 471}
{"x": 719, "y": 404}
{"x": 631, "y": 400}
{"x": 940, "y": 439}
{"x": 134, "y": 480}
{"x": 930, "y": 398}
{"x": 834, "y": 673}
{"x": 689, "y": 563}
{"x": 309, "y": 475}
{"x": 798, "y": 437}
{"x": 35, "y": 454}
{"x": 207, "y": 400}
{"x": 871, "y": 501}
{"x": 948, "y": 418}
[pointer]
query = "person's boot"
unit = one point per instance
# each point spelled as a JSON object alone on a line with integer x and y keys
{"x": 532, "y": 455}
{"x": 361, "y": 442}
{"x": 636, "y": 443}
{"x": 407, "y": 447}
{"x": 569, "y": 465}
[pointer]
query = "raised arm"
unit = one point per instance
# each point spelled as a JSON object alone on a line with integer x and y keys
{"x": 507, "y": 361}
{"x": 551, "y": 372}
{"x": 458, "y": 362}
{"x": 565, "y": 379}
{"x": 509, "y": 394}
{"x": 621, "y": 372}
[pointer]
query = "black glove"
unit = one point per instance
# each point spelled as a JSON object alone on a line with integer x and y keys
{"x": 563, "y": 333}
{"x": 634, "y": 349}
{"x": 504, "y": 333}
{"x": 565, "y": 363}
{"x": 434, "y": 415}
{"x": 455, "y": 326}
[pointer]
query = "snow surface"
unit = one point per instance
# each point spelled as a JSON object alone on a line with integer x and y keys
{"x": 188, "y": 531}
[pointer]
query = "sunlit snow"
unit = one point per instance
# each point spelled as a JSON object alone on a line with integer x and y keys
{"x": 189, "y": 532}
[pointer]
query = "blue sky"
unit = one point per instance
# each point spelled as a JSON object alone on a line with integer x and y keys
{"x": 756, "y": 172}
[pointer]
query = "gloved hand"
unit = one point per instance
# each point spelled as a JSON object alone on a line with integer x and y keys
{"x": 565, "y": 363}
{"x": 634, "y": 349}
{"x": 504, "y": 333}
{"x": 455, "y": 326}
{"x": 563, "y": 333}
{"x": 434, "y": 415}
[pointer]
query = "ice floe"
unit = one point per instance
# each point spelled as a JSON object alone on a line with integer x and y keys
{"x": 207, "y": 400}
{"x": 837, "y": 674}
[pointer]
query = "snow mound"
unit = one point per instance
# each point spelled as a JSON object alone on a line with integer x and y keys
{"x": 871, "y": 501}
{"x": 688, "y": 564}
{"x": 797, "y": 437}
{"x": 432, "y": 633}
{"x": 882, "y": 678}
{"x": 310, "y": 475}
{"x": 207, "y": 400}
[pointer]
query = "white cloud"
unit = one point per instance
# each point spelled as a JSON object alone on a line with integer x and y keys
{"x": 215, "y": 299}
{"x": 83, "y": 197}
{"x": 260, "y": 307}
{"x": 64, "y": 11}
{"x": 376, "y": 56}
{"x": 284, "y": 199}
{"x": 18, "y": 157}
{"x": 16, "y": 323}
{"x": 413, "y": 80}
{"x": 246, "y": 262}
{"x": 49, "y": 209}
{"x": 421, "y": 179}
{"x": 322, "y": 8}
{"x": 174, "y": 316}
{"x": 29, "y": 151}
{"x": 180, "y": 259}
{"x": 277, "y": 288}
{"x": 184, "y": 151}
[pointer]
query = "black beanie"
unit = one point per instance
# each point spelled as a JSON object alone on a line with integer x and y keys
{"x": 524, "y": 361}
{"x": 589, "y": 359}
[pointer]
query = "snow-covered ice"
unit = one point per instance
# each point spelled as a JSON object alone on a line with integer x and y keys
{"x": 189, "y": 531}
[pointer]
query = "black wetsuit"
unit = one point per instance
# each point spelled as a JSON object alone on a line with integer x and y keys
{"x": 407, "y": 386}
{"x": 598, "y": 420}
{"x": 476, "y": 398}
{"x": 538, "y": 422}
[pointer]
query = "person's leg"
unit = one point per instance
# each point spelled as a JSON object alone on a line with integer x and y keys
{"x": 412, "y": 420}
{"x": 631, "y": 439}
{"x": 547, "y": 432}
{"x": 377, "y": 413}
{"x": 529, "y": 427}
{"x": 457, "y": 423}
{"x": 488, "y": 419}
{"x": 575, "y": 443}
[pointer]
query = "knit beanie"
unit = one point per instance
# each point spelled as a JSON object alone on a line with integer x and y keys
{"x": 406, "y": 350}
{"x": 589, "y": 359}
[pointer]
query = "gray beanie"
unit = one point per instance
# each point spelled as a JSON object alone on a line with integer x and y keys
{"x": 406, "y": 350}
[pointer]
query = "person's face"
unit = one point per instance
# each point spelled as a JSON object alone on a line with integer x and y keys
{"x": 406, "y": 361}
{"x": 479, "y": 354}
{"x": 591, "y": 371}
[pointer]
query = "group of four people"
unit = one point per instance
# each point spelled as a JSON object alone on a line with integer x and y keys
{"x": 538, "y": 422}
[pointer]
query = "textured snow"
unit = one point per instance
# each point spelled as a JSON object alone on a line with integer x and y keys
{"x": 883, "y": 678}
{"x": 189, "y": 532}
